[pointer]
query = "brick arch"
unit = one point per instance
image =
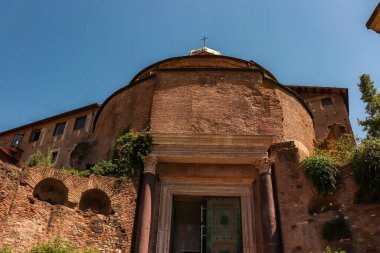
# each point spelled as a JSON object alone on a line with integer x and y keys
{"x": 100, "y": 184}
{"x": 95, "y": 200}
{"x": 51, "y": 190}
{"x": 37, "y": 175}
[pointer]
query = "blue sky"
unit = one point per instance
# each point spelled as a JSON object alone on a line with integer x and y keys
{"x": 60, "y": 55}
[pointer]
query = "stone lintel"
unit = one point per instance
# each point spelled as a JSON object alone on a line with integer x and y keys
{"x": 203, "y": 148}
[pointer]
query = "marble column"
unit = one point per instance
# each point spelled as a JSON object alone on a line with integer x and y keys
{"x": 270, "y": 231}
{"x": 146, "y": 204}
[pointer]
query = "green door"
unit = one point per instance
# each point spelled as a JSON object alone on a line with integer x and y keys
{"x": 223, "y": 225}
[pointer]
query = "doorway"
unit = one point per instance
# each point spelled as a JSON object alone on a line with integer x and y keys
{"x": 206, "y": 225}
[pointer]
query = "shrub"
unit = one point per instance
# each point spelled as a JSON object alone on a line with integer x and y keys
{"x": 6, "y": 249}
{"x": 366, "y": 165}
{"x": 341, "y": 149}
{"x": 106, "y": 168}
{"x": 41, "y": 159}
{"x": 58, "y": 245}
{"x": 126, "y": 160}
{"x": 321, "y": 170}
{"x": 72, "y": 171}
{"x": 128, "y": 149}
{"x": 329, "y": 250}
{"x": 336, "y": 229}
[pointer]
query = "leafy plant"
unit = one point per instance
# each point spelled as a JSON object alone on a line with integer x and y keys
{"x": 128, "y": 149}
{"x": 336, "y": 229}
{"x": 321, "y": 170}
{"x": 126, "y": 160}
{"x": 72, "y": 171}
{"x": 366, "y": 165}
{"x": 58, "y": 245}
{"x": 371, "y": 98}
{"x": 329, "y": 250}
{"x": 41, "y": 159}
{"x": 341, "y": 149}
{"x": 6, "y": 249}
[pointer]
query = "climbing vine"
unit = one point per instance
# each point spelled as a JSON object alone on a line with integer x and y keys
{"x": 129, "y": 147}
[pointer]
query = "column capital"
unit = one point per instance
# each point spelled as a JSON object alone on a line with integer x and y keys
{"x": 150, "y": 164}
{"x": 266, "y": 165}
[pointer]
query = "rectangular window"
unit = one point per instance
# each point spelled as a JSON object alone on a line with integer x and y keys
{"x": 326, "y": 102}
{"x": 59, "y": 128}
{"x": 17, "y": 140}
{"x": 54, "y": 156}
{"x": 34, "y": 135}
{"x": 80, "y": 123}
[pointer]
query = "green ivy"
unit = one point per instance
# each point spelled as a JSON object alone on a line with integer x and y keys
{"x": 321, "y": 170}
{"x": 128, "y": 150}
{"x": 366, "y": 165}
{"x": 336, "y": 229}
{"x": 126, "y": 160}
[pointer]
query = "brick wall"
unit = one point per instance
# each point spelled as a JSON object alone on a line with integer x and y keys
{"x": 301, "y": 229}
{"x": 26, "y": 220}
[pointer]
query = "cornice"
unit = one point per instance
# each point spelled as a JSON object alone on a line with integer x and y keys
{"x": 210, "y": 148}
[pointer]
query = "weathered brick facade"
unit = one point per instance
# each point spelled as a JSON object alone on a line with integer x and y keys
{"x": 219, "y": 125}
{"x": 26, "y": 220}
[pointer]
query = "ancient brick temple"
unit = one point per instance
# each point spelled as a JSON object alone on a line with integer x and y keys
{"x": 223, "y": 174}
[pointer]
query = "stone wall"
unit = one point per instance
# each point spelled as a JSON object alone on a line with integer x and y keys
{"x": 26, "y": 220}
{"x": 64, "y": 144}
{"x": 302, "y": 214}
{"x": 325, "y": 116}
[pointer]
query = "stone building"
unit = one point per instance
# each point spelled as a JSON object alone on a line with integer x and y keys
{"x": 374, "y": 21}
{"x": 223, "y": 174}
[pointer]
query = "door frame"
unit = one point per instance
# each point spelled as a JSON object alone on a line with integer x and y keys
{"x": 215, "y": 189}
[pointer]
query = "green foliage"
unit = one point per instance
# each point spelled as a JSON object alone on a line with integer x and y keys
{"x": 366, "y": 165}
{"x": 341, "y": 149}
{"x": 106, "y": 168}
{"x": 71, "y": 171}
{"x": 6, "y": 249}
{"x": 336, "y": 229}
{"x": 58, "y": 245}
{"x": 41, "y": 159}
{"x": 126, "y": 160}
{"x": 321, "y": 170}
{"x": 329, "y": 250}
{"x": 128, "y": 150}
{"x": 371, "y": 98}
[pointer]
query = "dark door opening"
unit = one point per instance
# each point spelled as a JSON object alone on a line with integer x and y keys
{"x": 206, "y": 225}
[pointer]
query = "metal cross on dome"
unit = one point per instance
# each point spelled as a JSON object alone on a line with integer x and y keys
{"x": 204, "y": 40}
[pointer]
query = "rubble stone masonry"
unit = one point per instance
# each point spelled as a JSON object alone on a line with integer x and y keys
{"x": 300, "y": 228}
{"x": 26, "y": 220}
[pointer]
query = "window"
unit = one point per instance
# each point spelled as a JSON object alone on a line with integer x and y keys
{"x": 17, "y": 140}
{"x": 54, "y": 156}
{"x": 80, "y": 122}
{"x": 59, "y": 128}
{"x": 326, "y": 102}
{"x": 34, "y": 135}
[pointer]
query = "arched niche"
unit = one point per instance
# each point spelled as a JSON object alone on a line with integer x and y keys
{"x": 95, "y": 200}
{"x": 52, "y": 191}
